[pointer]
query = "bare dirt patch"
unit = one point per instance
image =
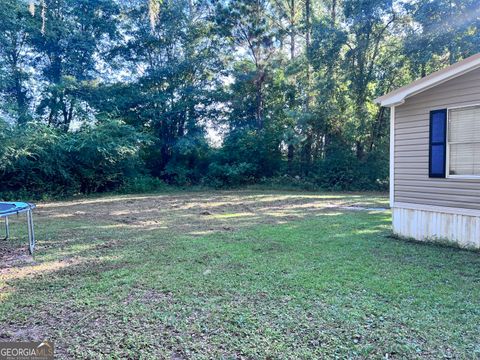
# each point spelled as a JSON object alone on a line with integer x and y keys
{"x": 194, "y": 213}
{"x": 11, "y": 256}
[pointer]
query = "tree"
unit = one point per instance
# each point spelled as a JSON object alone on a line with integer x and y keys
{"x": 71, "y": 47}
{"x": 441, "y": 33}
{"x": 247, "y": 25}
{"x": 289, "y": 15}
{"x": 288, "y": 83}
{"x": 15, "y": 25}
{"x": 369, "y": 22}
{"x": 174, "y": 95}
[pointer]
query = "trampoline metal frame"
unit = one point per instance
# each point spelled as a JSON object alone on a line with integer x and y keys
{"x": 30, "y": 228}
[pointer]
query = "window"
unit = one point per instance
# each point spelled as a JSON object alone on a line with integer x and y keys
{"x": 464, "y": 141}
{"x": 438, "y": 148}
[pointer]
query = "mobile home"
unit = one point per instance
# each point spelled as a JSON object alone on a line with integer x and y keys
{"x": 435, "y": 155}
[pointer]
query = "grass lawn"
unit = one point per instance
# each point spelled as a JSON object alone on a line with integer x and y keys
{"x": 240, "y": 274}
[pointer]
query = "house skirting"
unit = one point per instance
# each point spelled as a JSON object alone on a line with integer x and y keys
{"x": 428, "y": 223}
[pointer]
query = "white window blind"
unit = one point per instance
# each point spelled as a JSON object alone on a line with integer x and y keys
{"x": 464, "y": 141}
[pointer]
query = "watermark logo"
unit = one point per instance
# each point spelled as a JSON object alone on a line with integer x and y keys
{"x": 23, "y": 350}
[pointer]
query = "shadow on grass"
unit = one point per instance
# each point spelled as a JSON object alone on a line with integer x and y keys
{"x": 292, "y": 280}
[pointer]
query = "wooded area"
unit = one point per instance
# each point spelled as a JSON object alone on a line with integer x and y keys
{"x": 101, "y": 95}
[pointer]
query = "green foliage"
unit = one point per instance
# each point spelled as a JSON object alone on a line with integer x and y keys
{"x": 225, "y": 175}
{"x": 189, "y": 162}
{"x": 287, "y": 182}
{"x": 15, "y": 21}
{"x": 34, "y": 159}
{"x": 436, "y": 45}
{"x": 327, "y": 43}
{"x": 104, "y": 156}
{"x": 40, "y": 160}
{"x": 247, "y": 155}
{"x": 77, "y": 33}
{"x": 341, "y": 170}
{"x": 142, "y": 184}
{"x": 285, "y": 87}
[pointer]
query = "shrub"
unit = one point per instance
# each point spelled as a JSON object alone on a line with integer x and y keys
{"x": 189, "y": 162}
{"x": 290, "y": 182}
{"x": 341, "y": 170}
{"x": 42, "y": 161}
{"x": 34, "y": 160}
{"x": 105, "y": 156}
{"x": 143, "y": 184}
{"x": 220, "y": 175}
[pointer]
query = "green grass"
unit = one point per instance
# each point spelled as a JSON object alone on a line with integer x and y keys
{"x": 239, "y": 275}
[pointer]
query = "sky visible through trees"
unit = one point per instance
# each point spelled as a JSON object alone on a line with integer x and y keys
{"x": 98, "y": 95}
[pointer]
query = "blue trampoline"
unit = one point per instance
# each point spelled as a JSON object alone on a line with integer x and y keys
{"x": 14, "y": 208}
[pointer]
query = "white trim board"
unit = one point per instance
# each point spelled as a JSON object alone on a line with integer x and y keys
{"x": 392, "y": 156}
{"x": 438, "y": 209}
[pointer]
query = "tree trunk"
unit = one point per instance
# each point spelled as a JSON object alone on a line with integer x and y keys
{"x": 259, "y": 99}
{"x": 290, "y": 157}
{"x": 292, "y": 29}
{"x": 360, "y": 150}
{"x": 307, "y": 48}
{"x": 377, "y": 127}
{"x": 19, "y": 92}
{"x": 307, "y": 148}
{"x": 333, "y": 13}
{"x": 21, "y": 98}
{"x": 291, "y": 147}
{"x": 67, "y": 113}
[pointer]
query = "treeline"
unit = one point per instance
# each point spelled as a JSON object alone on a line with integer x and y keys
{"x": 100, "y": 95}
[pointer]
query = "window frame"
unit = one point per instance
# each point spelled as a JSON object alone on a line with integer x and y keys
{"x": 447, "y": 145}
{"x": 431, "y": 144}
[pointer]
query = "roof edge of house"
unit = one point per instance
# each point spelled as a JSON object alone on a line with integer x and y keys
{"x": 398, "y": 96}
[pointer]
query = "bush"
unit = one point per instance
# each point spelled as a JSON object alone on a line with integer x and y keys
{"x": 189, "y": 162}
{"x": 105, "y": 156}
{"x": 221, "y": 175}
{"x": 290, "y": 182}
{"x": 338, "y": 171}
{"x": 143, "y": 184}
{"x": 341, "y": 170}
{"x": 39, "y": 161}
{"x": 34, "y": 160}
{"x": 42, "y": 161}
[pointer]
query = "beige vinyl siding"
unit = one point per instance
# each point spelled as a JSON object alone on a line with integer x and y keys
{"x": 412, "y": 184}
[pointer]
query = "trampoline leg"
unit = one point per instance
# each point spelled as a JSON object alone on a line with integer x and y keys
{"x": 7, "y": 228}
{"x": 31, "y": 233}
